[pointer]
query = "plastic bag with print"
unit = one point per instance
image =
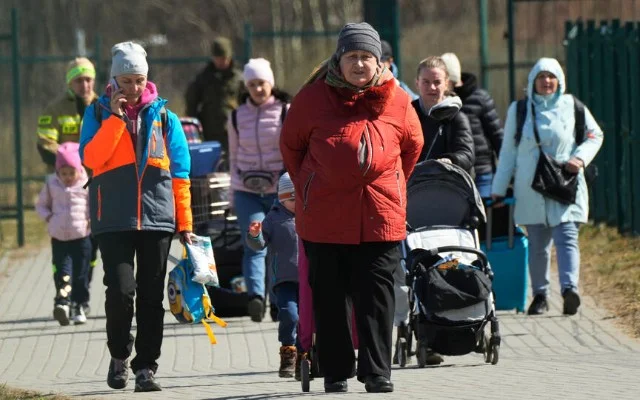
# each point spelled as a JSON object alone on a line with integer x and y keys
{"x": 200, "y": 254}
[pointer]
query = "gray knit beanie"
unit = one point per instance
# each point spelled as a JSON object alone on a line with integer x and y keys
{"x": 128, "y": 58}
{"x": 359, "y": 36}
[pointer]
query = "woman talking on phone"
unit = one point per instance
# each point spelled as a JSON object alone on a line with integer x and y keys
{"x": 139, "y": 197}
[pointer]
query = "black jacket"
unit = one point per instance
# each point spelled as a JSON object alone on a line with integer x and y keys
{"x": 480, "y": 108}
{"x": 456, "y": 142}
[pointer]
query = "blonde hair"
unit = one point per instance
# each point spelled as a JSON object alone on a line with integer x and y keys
{"x": 433, "y": 62}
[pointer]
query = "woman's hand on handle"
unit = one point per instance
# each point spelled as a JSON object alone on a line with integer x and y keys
{"x": 497, "y": 200}
{"x": 185, "y": 237}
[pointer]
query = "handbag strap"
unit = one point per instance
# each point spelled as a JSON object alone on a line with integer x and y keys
{"x": 535, "y": 125}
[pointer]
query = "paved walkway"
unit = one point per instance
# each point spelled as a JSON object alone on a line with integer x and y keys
{"x": 582, "y": 357}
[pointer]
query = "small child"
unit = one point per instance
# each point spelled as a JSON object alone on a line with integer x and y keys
{"x": 278, "y": 232}
{"x": 64, "y": 204}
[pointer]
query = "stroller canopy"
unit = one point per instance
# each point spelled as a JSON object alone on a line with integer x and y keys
{"x": 442, "y": 194}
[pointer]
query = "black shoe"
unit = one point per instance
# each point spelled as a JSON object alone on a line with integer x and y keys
{"x": 434, "y": 358}
{"x": 378, "y": 384}
{"x": 539, "y": 305}
{"x": 331, "y": 386}
{"x": 273, "y": 312}
{"x": 571, "y": 301}
{"x": 118, "y": 376}
{"x": 255, "y": 308}
{"x": 146, "y": 382}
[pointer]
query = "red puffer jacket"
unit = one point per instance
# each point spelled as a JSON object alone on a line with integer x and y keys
{"x": 349, "y": 155}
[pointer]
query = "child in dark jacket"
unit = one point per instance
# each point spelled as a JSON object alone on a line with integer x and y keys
{"x": 278, "y": 232}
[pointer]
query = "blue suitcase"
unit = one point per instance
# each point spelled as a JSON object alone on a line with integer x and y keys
{"x": 509, "y": 260}
{"x": 204, "y": 158}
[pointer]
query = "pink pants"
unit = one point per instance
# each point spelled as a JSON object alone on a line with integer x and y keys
{"x": 306, "y": 324}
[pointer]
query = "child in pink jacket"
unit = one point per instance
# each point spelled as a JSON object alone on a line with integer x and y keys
{"x": 64, "y": 204}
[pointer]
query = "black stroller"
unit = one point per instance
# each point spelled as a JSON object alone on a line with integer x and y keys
{"x": 450, "y": 278}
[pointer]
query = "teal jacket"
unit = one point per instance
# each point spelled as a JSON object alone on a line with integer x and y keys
{"x": 555, "y": 120}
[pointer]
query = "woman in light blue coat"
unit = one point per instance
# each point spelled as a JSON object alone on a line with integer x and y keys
{"x": 547, "y": 219}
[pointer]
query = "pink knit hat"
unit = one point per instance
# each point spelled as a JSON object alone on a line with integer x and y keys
{"x": 68, "y": 155}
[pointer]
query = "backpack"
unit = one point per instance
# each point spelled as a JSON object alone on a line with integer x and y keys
{"x": 591, "y": 171}
{"x": 234, "y": 116}
{"x": 189, "y": 301}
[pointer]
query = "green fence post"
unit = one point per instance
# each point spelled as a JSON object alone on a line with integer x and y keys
{"x": 624, "y": 183}
{"x": 634, "y": 134}
{"x": 248, "y": 33}
{"x": 511, "y": 50}
{"x": 15, "y": 67}
{"x": 611, "y": 125}
{"x": 484, "y": 43}
{"x": 395, "y": 36}
{"x": 586, "y": 65}
{"x": 598, "y": 201}
{"x": 583, "y": 57}
{"x": 97, "y": 58}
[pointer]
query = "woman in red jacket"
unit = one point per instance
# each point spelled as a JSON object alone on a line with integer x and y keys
{"x": 350, "y": 142}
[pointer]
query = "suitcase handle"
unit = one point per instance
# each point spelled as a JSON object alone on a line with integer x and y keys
{"x": 508, "y": 201}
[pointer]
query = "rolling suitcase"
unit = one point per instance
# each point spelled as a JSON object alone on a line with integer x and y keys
{"x": 509, "y": 258}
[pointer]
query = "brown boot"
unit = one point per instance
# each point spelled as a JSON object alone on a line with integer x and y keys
{"x": 287, "y": 361}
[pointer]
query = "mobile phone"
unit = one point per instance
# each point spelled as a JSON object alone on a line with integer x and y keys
{"x": 114, "y": 84}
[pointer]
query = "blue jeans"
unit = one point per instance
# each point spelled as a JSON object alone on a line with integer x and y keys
{"x": 71, "y": 266}
{"x": 565, "y": 238}
{"x": 483, "y": 184}
{"x": 287, "y": 301}
{"x": 251, "y": 207}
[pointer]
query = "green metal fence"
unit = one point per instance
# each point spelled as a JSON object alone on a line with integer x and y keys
{"x": 603, "y": 69}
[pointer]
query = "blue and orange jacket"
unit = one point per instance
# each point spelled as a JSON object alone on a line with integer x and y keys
{"x": 148, "y": 192}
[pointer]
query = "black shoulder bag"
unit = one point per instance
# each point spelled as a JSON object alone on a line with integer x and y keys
{"x": 551, "y": 179}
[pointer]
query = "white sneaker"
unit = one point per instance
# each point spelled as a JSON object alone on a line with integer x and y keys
{"x": 79, "y": 316}
{"x": 61, "y": 314}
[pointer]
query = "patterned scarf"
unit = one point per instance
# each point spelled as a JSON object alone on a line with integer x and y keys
{"x": 329, "y": 69}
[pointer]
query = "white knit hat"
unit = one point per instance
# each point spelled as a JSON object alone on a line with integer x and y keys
{"x": 258, "y": 68}
{"x": 286, "y": 190}
{"x": 453, "y": 66}
{"x": 128, "y": 58}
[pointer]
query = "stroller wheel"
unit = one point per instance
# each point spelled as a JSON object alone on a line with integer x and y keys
{"x": 315, "y": 366}
{"x": 495, "y": 351}
{"x": 305, "y": 374}
{"x": 488, "y": 350}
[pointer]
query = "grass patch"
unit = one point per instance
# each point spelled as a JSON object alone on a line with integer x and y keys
{"x": 35, "y": 233}
{"x": 7, "y": 393}
{"x": 610, "y": 273}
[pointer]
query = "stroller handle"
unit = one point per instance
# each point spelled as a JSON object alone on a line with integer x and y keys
{"x": 462, "y": 249}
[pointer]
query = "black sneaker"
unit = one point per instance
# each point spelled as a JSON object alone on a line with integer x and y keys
{"x": 539, "y": 305}
{"x": 434, "y": 358}
{"x": 118, "y": 376}
{"x": 61, "y": 314}
{"x": 255, "y": 308}
{"x": 146, "y": 382}
{"x": 571, "y": 301}
{"x": 335, "y": 386}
